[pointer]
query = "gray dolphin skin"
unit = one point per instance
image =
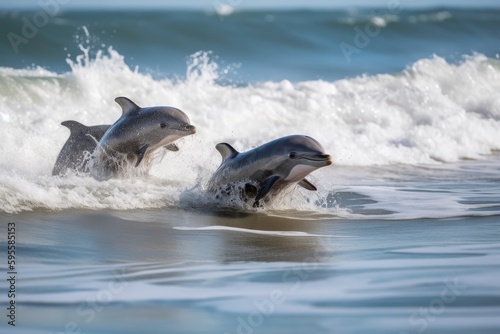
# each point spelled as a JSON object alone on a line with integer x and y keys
{"x": 269, "y": 168}
{"x": 76, "y": 152}
{"x": 137, "y": 134}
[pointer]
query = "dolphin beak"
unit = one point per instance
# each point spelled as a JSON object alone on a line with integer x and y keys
{"x": 322, "y": 159}
{"x": 190, "y": 128}
{"x": 327, "y": 158}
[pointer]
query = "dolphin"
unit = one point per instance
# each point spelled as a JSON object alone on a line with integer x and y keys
{"x": 136, "y": 135}
{"x": 76, "y": 152}
{"x": 270, "y": 168}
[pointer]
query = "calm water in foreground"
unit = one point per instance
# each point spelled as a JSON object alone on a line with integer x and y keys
{"x": 388, "y": 263}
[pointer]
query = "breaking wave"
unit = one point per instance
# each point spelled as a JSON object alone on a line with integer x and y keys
{"x": 430, "y": 113}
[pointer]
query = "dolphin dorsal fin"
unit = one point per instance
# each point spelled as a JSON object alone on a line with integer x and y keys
{"x": 128, "y": 106}
{"x": 74, "y": 126}
{"x": 226, "y": 151}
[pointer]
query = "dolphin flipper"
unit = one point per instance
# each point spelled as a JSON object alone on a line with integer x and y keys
{"x": 140, "y": 154}
{"x": 266, "y": 187}
{"x": 226, "y": 151}
{"x": 307, "y": 185}
{"x": 172, "y": 147}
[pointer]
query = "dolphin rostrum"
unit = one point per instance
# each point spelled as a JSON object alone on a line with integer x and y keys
{"x": 270, "y": 168}
{"x": 76, "y": 152}
{"x": 137, "y": 134}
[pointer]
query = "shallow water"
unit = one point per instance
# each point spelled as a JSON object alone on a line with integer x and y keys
{"x": 402, "y": 236}
{"x": 402, "y": 249}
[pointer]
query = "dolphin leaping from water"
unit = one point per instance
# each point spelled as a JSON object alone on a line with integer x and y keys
{"x": 270, "y": 168}
{"x": 76, "y": 152}
{"x": 136, "y": 135}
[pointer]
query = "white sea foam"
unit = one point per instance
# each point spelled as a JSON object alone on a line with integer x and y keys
{"x": 430, "y": 113}
{"x": 252, "y": 231}
{"x": 384, "y": 20}
{"x": 432, "y": 17}
{"x": 224, "y": 9}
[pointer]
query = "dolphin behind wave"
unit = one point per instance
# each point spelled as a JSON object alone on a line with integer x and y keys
{"x": 76, "y": 152}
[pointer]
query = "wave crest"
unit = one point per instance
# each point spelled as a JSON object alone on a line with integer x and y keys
{"x": 432, "y": 112}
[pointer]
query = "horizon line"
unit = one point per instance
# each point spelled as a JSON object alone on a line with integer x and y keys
{"x": 251, "y": 8}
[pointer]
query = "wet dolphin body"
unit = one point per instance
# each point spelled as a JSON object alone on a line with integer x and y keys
{"x": 76, "y": 151}
{"x": 270, "y": 168}
{"x": 137, "y": 134}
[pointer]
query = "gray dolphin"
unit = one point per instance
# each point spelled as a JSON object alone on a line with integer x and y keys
{"x": 137, "y": 134}
{"x": 76, "y": 151}
{"x": 270, "y": 168}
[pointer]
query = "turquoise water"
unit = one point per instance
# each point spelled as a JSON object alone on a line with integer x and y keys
{"x": 402, "y": 235}
{"x": 294, "y": 45}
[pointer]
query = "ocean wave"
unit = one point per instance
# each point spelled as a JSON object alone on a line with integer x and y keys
{"x": 383, "y": 18}
{"x": 432, "y": 17}
{"x": 432, "y": 112}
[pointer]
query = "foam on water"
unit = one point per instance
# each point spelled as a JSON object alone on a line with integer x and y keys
{"x": 252, "y": 231}
{"x": 432, "y": 112}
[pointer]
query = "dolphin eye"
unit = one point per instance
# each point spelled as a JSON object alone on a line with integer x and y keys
{"x": 292, "y": 155}
{"x": 163, "y": 125}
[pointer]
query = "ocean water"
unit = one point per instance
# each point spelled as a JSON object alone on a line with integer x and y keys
{"x": 402, "y": 236}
